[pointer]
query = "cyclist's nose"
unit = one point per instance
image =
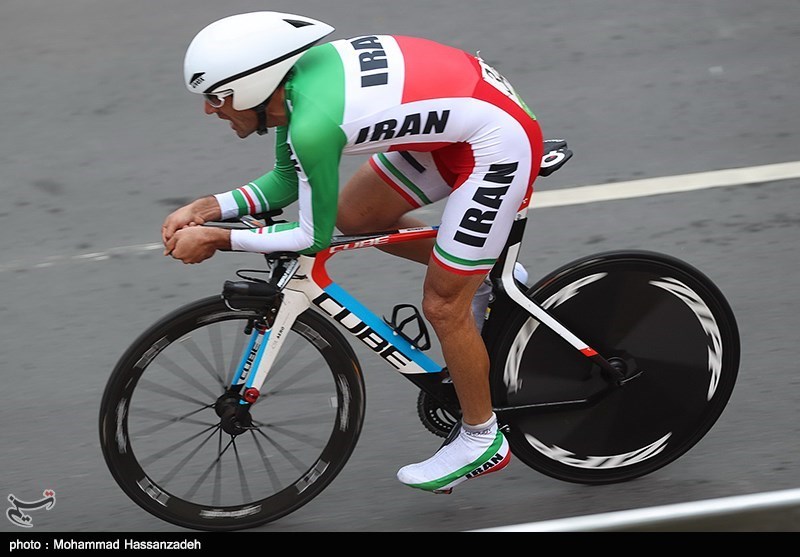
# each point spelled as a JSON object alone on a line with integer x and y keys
{"x": 208, "y": 108}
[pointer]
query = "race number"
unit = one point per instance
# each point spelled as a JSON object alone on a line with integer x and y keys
{"x": 496, "y": 80}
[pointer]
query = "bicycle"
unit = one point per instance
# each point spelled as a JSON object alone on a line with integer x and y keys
{"x": 607, "y": 369}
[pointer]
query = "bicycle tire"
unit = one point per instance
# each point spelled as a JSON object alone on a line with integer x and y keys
{"x": 656, "y": 314}
{"x": 162, "y": 440}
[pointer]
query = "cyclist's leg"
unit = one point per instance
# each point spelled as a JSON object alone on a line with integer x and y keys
{"x": 366, "y": 204}
{"x": 384, "y": 190}
{"x": 492, "y": 180}
{"x": 477, "y": 446}
{"x": 475, "y": 225}
{"x": 447, "y": 305}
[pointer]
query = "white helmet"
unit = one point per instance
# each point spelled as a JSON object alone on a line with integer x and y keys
{"x": 247, "y": 55}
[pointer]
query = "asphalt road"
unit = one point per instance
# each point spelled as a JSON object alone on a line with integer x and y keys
{"x": 99, "y": 141}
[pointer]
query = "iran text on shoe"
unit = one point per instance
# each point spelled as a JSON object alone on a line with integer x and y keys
{"x": 495, "y": 458}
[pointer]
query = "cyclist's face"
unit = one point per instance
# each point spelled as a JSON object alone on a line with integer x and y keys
{"x": 243, "y": 122}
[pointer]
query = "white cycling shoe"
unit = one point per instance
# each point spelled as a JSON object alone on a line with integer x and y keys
{"x": 466, "y": 453}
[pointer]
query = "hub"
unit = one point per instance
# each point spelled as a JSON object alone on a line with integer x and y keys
{"x": 627, "y": 367}
{"x": 234, "y": 416}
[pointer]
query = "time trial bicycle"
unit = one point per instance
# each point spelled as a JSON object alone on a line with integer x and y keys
{"x": 240, "y": 408}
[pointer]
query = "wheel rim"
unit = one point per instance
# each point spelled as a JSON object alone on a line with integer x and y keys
{"x": 168, "y": 434}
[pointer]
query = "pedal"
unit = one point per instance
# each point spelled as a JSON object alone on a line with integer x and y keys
{"x": 418, "y": 337}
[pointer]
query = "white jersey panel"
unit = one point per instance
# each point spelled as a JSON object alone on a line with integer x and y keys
{"x": 374, "y": 71}
{"x": 444, "y": 120}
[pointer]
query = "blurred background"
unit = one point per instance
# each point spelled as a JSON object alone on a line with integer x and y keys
{"x": 99, "y": 141}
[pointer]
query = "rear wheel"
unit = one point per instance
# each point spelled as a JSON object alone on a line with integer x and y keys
{"x": 162, "y": 416}
{"x": 662, "y": 323}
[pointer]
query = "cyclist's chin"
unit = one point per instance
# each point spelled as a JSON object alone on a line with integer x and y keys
{"x": 241, "y": 129}
{"x": 243, "y": 133}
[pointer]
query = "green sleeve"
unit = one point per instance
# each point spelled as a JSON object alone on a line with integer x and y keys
{"x": 279, "y": 186}
{"x": 318, "y": 142}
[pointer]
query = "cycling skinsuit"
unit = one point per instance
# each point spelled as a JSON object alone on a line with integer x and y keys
{"x": 438, "y": 123}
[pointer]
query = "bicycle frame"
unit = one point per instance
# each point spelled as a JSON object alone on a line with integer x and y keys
{"x": 306, "y": 282}
{"x": 538, "y": 366}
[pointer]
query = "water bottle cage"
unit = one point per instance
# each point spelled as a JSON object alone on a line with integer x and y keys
{"x": 418, "y": 337}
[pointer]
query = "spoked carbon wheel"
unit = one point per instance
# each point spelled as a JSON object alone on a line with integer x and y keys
{"x": 162, "y": 435}
{"x": 668, "y": 330}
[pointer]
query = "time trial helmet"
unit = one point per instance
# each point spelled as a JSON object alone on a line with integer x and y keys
{"x": 247, "y": 55}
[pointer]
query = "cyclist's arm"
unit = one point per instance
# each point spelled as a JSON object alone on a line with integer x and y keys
{"x": 317, "y": 143}
{"x": 274, "y": 190}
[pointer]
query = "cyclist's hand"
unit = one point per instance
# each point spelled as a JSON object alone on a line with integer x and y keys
{"x": 193, "y": 214}
{"x": 194, "y": 244}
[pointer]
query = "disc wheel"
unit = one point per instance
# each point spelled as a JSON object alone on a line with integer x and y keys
{"x": 662, "y": 323}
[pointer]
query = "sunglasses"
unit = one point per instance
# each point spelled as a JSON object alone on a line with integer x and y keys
{"x": 217, "y": 99}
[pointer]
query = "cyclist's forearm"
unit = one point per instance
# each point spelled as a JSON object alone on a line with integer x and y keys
{"x": 290, "y": 236}
{"x": 206, "y": 208}
{"x": 274, "y": 190}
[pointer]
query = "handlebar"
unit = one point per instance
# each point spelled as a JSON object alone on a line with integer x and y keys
{"x": 258, "y": 220}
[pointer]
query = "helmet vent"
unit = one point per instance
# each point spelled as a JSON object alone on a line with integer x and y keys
{"x": 297, "y": 23}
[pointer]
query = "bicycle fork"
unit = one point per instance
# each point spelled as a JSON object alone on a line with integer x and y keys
{"x": 267, "y": 334}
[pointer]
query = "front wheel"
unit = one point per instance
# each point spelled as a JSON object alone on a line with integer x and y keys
{"x": 667, "y": 329}
{"x": 164, "y": 441}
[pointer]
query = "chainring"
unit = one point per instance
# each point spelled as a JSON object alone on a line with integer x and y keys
{"x": 435, "y": 419}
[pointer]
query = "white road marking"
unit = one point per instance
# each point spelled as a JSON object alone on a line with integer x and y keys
{"x": 764, "y": 504}
{"x": 541, "y": 199}
{"x": 666, "y": 184}
{"x": 83, "y": 257}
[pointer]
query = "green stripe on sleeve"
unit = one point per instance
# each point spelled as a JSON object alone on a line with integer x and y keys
{"x": 283, "y": 226}
{"x": 261, "y": 199}
{"x": 238, "y": 196}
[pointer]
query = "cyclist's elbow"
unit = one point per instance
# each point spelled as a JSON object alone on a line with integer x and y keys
{"x": 321, "y": 245}
{"x": 316, "y": 245}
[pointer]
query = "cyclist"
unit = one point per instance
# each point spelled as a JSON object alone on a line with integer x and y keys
{"x": 437, "y": 123}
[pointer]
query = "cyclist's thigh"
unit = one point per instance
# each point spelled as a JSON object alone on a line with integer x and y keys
{"x": 414, "y": 176}
{"x": 489, "y": 192}
{"x": 365, "y": 203}
{"x": 388, "y": 186}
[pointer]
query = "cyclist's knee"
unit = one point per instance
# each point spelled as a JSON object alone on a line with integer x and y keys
{"x": 432, "y": 308}
{"x": 367, "y": 204}
{"x": 366, "y": 213}
{"x": 447, "y": 298}
{"x": 445, "y": 311}
{"x": 349, "y": 222}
